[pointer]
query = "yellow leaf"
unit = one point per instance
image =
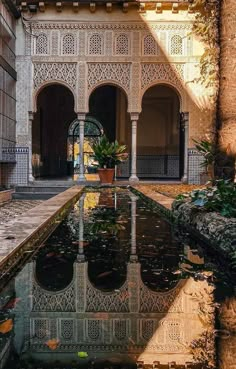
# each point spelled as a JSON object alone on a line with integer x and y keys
{"x": 6, "y": 326}
{"x": 52, "y": 344}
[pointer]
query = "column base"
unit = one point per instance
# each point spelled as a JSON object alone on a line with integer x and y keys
{"x": 81, "y": 178}
{"x": 133, "y": 179}
{"x": 184, "y": 179}
{"x": 80, "y": 258}
{"x": 31, "y": 178}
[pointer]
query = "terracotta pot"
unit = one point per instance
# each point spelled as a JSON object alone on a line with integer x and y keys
{"x": 106, "y": 175}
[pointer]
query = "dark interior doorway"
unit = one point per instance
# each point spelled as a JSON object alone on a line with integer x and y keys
{"x": 55, "y": 112}
{"x": 108, "y": 104}
{"x": 158, "y": 137}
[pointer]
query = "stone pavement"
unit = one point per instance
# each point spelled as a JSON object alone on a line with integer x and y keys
{"x": 148, "y": 191}
{"x": 11, "y": 210}
{"x": 27, "y": 230}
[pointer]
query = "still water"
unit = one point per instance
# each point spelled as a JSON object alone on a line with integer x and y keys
{"x": 116, "y": 286}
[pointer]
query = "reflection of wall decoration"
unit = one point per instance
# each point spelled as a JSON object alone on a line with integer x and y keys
{"x": 41, "y": 328}
{"x": 67, "y": 329}
{"x": 93, "y": 329}
{"x": 112, "y": 302}
{"x": 166, "y": 72}
{"x": 120, "y": 329}
{"x": 147, "y": 329}
{"x": 47, "y": 301}
{"x": 55, "y": 71}
{"x": 160, "y": 302}
{"x": 119, "y": 72}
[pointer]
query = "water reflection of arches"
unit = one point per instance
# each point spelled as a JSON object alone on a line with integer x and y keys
{"x": 92, "y": 131}
{"x": 84, "y": 318}
{"x": 53, "y": 272}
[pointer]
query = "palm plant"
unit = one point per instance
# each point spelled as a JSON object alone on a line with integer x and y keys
{"x": 108, "y": 154}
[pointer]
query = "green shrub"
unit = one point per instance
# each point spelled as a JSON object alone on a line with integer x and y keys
{"x": 221, "y": 197}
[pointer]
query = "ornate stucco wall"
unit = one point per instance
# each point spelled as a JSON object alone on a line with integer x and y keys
{"x": 134, "y": 50}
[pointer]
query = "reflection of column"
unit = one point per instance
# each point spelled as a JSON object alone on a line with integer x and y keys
{"x": 80, "y": 256}
{"x": 133, "y": 177}
{"x": 30, "y": 140}
{"x": 81, "y": 118}
{"x": 185, "y": 126}
{"x": 133, "y": 256}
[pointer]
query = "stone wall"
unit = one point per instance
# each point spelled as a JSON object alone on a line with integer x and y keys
{"x": 211, "y": 227}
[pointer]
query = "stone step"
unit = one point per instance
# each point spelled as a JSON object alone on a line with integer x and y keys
{"x": 33, "y": 189}
{"x": 33, "y": 195}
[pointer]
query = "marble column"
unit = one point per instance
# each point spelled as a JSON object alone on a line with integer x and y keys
{"x": 30, "y": 140}
{"x": 133, "y": 256}
{"x": 185, "y": 127}
{"x": 80, "y": 256}
{"x": 133, "y": 178}
{"x": 81, "y": 119}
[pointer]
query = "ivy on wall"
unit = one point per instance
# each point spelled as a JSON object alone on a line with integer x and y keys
{"x": 206, "y": 28}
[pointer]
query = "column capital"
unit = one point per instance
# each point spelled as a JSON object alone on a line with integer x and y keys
{"x": 134, "y": 116}
{"x": 81, "y": 116}
{"x": 185, "y": 118}
{"x": 31, "y": 115}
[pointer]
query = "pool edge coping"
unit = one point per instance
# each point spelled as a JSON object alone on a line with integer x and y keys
{"x": 66, "y": 200}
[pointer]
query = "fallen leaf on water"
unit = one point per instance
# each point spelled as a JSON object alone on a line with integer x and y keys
{"x": 104, "y": 274}
{"x": 82, "y": 354}
{"x": 6, "y": 326}
{"x": 52, "y": 344}
{"x": 50, "y": 254}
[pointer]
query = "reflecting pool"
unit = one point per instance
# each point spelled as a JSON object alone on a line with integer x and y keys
{"x": 116, "y": 286}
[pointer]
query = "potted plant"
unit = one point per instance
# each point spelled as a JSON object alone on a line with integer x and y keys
{"x": 208, "y": 150}
{"x": 108, "y": 155}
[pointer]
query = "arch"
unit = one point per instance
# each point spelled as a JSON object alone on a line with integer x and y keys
{"x": 122, "y": 44}
{"x": 95, "y": 44}
{"x": 149, "y": 45}
{"x": 88, "y": 118}
{"x": 176, "y": 45}
{"x": 109, "y": 82}
{"x": 68, "y": 44}
{"x": 179, "y": 91}
{"x": 159, "y": 139}
{"x": 54, "y": 110}
{"x": 49, "y": 83}
{"x": 41, "y": 44}
{"x": 48, "y": 278}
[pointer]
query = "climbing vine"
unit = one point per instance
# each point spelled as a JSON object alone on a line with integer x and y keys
{"x": 206, "y": 28}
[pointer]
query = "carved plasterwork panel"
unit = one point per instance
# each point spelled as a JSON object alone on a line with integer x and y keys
{"x": 122, "y": 44}
{"x": 117, "y": 72}
{"x": 112, "y": 25}
{"x": 65, "y": 72}
{"x": 152, "y": 72}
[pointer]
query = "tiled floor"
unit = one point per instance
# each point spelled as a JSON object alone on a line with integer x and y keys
{"x": 11, "y": 210}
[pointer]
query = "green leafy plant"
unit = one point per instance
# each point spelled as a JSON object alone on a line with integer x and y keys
{"x": 108, "y": 154}
{"x": 220, "y": 198}
{"x": 208, "y": 150}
